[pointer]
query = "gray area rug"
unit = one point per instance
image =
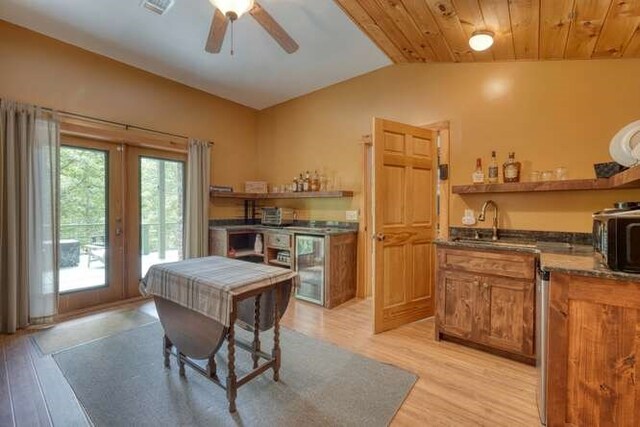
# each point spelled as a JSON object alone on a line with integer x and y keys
{"x": 71, "y": 334}
{"x": 121, "y": 381}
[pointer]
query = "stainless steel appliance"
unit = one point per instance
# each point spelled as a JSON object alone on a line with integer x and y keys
{"x": 310, "y": 261}
{"x": 616, "y": 236}
{"x": 277, "y": 216}
{"x": 542, "y": 322}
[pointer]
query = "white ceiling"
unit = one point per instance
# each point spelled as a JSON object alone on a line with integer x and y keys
{"x": 259, "y": 75}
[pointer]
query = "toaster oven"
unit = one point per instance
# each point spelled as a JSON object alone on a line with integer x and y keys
{"x": 277, "y": 216}
{"x": 616, "y": 237}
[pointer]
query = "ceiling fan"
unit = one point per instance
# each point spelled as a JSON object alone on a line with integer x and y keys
{"x": 227, "y": 11}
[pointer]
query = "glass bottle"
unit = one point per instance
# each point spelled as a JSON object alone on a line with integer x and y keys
{"x": 306, "y": 184}
{"x": 294, "y": 185}
{"x": 511, "y": 169}
{"x": 300, "y": 183}
{"x": 478, "y": 174}
{"x": 493, "y": 169}
{"x": 315, "y": 182}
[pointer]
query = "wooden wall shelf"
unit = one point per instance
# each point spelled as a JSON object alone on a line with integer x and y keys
{"x": 264, "y": 196}
{"x": 627, "y": 179}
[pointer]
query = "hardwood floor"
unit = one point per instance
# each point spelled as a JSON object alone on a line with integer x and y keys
{"x": 457, "y": 385}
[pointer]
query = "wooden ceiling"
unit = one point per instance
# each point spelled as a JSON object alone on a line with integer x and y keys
{"x": 439, "y": 30}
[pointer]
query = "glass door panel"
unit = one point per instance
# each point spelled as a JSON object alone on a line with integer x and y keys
{"x": 84, "y": 193}
{"x": 310, "y": 266}
{"x": 161, "y": 206}
{"x": 90, "y": 262}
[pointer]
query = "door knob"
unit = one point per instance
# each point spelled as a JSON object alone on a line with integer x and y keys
{"x": 379, "y": 237}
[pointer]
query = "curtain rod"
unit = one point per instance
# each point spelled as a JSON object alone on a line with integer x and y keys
{"x": 126, "y": 126}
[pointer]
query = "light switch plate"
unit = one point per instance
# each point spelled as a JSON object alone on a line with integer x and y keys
{"x": 352, "y": 215}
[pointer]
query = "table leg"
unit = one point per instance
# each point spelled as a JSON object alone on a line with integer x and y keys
{"x": 212, "y": 368}
{"x": 181, "y": 357}
{"x": 232, "y": 390}
{"x": 276, "y": 335}
{"x": 256, "y": 332}
{"x": 167, "y": 345}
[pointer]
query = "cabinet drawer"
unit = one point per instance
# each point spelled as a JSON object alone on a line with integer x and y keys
{"x": 517, "y": 266}
{"x": 279, "y": 240}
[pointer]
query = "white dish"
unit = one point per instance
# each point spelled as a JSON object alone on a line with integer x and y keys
{"x": 624, "y": 145}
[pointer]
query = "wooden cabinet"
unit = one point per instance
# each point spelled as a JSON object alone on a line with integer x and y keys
{"x": 340, "y": 256}
{"x": 594, "y": 345}
{"x": 341, "y": 269}
{"x": 457, "y": 294}
{"x": 506, "y": 314}
{"x": 487, "y": 299}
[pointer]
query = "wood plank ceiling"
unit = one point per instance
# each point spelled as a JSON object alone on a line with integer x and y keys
{"x": 439, "y": 30}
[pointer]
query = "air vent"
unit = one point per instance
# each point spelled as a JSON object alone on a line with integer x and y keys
{"x": 157, "y": 6}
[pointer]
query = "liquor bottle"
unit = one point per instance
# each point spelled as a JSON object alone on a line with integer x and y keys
{"x": 493, "y": 169}
{"x": 315, "y": 182}
{"x": 511, "y": 169}
{"x": 478, "y": 175}
{"x": 300, "y": 183}
{"x": 306, "y": 184}
{"x": 294, "y": 186}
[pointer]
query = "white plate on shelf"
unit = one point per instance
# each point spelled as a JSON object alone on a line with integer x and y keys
{"x": 625, "y": 145}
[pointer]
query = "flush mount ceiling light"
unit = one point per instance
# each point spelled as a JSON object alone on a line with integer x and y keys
{"x": 481, "y": 40}
{"x": 233, "y": 9}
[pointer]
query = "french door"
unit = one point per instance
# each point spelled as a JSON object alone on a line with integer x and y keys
{"x": 155, "y": 211}
{"x": 121, "y": 210}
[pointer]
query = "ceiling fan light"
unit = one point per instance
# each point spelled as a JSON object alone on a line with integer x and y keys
{"x": 481, "y": 40}
{"x": 233, "y": 8}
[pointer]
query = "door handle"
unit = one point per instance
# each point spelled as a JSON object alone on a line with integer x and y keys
{"x": 118, "y": 231}
{"x": 379, "y": 237}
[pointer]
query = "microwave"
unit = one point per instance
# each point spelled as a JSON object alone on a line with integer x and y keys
{"x": 277, "y": 216}
{"x": 616, "y": 237}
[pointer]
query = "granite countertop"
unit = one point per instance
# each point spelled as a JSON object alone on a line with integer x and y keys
{"x": 321, "y": 231}
{"x": 561, "y": 257}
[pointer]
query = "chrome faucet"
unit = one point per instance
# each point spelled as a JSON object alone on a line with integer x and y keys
{"x": 483, "y": 213}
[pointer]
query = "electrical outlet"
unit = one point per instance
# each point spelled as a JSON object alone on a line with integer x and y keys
{"x": 352, "y": 215}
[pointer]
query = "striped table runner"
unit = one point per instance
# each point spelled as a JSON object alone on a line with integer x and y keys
{"x": 206, "y": 285}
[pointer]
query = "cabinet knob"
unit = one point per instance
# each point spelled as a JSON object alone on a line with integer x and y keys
{"x": 379, "y": 237}
{"x": 485, "y": 285}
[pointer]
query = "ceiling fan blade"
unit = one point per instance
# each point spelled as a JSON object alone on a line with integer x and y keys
{"x": 216, "y": 33}
{"x": 273, "y": 28}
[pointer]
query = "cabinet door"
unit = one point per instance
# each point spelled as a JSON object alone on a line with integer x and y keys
{"x": 342, "y": 260}
{"x": 506, "y": 315}
{"x": 457, "y": 293}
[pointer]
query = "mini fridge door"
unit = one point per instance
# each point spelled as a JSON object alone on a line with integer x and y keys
{"x": 309, "y": 264}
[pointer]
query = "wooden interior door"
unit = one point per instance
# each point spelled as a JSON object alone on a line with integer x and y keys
{"x": 404, "y": 218}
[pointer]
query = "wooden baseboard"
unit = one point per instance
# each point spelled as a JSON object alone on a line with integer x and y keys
{"x": 503, "y": 353}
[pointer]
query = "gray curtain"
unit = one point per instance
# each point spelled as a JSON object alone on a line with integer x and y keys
{"x": 197, "y": 200}
{"x": 29, "y": 147}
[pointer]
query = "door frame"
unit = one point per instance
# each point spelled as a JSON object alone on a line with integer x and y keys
{"x": 114, "y": 287}
{"x": 132, "y": 225}
{"x": 366, "y": 264}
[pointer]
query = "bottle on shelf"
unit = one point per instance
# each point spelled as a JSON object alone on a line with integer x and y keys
{"x": 478, "y": 175}
{"x": 257, "y": 246}
{"x": 511, "y": 169}
{"x": 294, "y": 184}
{"x": 300, "y": 183}
{"x": 315, "y": 182}
{"x": 306, "y": 184}
{"x": 493, "y": 169}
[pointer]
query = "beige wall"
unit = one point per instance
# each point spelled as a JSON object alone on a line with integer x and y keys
{"x": 43, "y": 71}
{"x": 550, "y": 113}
